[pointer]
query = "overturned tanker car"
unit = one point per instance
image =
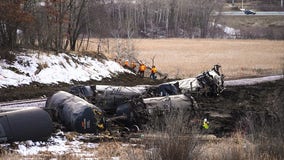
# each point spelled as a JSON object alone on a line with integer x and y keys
{"x": 75, "y": 113}
{"x": 108, "y": 98}
{"x": 25, "y": 124}
{"x": 161, "y": 107}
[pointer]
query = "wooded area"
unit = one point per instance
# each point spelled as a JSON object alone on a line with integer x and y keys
{"x": 59, "y": 24}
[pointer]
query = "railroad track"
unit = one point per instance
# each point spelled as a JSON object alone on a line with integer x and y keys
{"x": 19, "y": 104}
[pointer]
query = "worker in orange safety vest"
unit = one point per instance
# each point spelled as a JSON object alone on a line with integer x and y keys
{"x": 126, "y": 64}
{"x": 153, "y": 72}
{"x": 141, "y": 70}
{"x": 133, "y": 66}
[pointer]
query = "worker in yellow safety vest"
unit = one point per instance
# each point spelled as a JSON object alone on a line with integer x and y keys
{"x": 205, "y": 124}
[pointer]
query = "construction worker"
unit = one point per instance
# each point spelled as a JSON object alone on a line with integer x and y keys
{"x": 126, "y": 64}
{"x": 205, "y": 124}
{"x": 133, "y": 66}
{"x": 141, "y": 70}
{"x": 153, "y": 72}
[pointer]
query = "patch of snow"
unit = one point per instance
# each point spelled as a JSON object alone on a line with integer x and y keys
{"x": 56, "y": 145}
{"x": 41, "y": 3}
{"x": 230, "y": 32}
{"x": 48, "y": 69}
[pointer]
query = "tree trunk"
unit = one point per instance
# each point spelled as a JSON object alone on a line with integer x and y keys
{"x": 76, "y": 23}
{"x": 12, "y": 36}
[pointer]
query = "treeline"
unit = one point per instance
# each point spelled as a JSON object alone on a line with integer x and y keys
{"x": 51, "y": 25}
{"x": 60, "y": 24}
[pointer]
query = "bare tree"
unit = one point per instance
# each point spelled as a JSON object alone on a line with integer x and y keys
{"x": 202, "y": 11}
{"x": 153, "y": 60}
{"x": 77, "y": 20}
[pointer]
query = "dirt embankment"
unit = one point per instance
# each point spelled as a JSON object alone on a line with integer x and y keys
{"x": 244, "y": 108}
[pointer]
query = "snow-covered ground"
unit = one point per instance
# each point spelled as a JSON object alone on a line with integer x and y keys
{"x": 70, "y": 143}
{"x": 48, "y": 68}
{"x": 57, "y": 145}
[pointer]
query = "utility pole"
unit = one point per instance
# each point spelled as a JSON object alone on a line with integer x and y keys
{"x": 233, "y": 2}
{"x": 242, "y": 4}
{"x": 281, "y": 3}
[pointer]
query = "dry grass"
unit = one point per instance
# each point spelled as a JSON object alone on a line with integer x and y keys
{"x": 232, "y": 148}
{"x": 108, "y": 150}
{"x": 188, "y": 57}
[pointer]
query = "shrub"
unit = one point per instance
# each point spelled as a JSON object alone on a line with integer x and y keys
{"x": 176, "y": 141}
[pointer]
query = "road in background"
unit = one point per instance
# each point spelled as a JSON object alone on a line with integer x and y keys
{"x": 260, "y": 13}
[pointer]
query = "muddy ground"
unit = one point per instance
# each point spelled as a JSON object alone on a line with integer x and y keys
{"x": 235, "y": 109}
{"x": 245, "y": 108}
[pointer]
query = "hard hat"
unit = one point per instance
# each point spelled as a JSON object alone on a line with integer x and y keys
{"x": 205, "y": 119}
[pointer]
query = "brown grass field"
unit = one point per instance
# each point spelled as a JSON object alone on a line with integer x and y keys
{"x": 181, "y": 58}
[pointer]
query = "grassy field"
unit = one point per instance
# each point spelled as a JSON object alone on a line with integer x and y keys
{"x": 182, "y": 58}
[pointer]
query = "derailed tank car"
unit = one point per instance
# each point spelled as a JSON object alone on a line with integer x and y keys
{"x": 161, "y": 107}
{"x": 168, "y": 103}
{"x": 75, "y": 113}
{"x": 25, "y": 124}
{"x": 108, "y": 98}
